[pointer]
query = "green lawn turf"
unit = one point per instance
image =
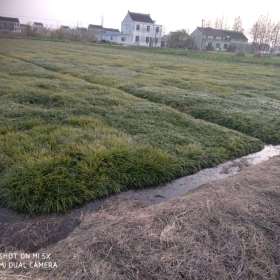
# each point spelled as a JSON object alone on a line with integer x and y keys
{"x": 79, "y": 122}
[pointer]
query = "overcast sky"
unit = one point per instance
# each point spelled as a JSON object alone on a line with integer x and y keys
{"x": 173, "y": 15}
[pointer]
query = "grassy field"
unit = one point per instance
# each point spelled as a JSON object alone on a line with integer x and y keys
{"x": 79, "y": 122}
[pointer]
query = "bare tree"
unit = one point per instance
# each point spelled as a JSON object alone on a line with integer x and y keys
{"x": 220, "y": 23}
{"x": 238, "y": 25}
{"x": 263, "y": 31}
{"x": 275, "y": 35}
{"x": 255, "y": 32}
{"x": 208, "y": 23}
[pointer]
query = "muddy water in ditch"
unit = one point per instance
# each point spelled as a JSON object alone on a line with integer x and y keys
{"x": 183, "y": 185}
{"x": 45, "y": 230}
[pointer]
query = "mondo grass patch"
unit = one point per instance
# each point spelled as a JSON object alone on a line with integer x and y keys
{"x": 56, "y": 184}
{"x": 80, "y": 122}
{"x": 238, "y": 111}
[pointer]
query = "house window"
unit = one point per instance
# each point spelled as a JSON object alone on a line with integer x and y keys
{"x": 147, "y": 40}
{"x": 156, "y": 41}
{"x": 148, "y": 28}
{"x": 225, "y": 46}
{"x": 218, "y": 46}
{"x": 138, "y": 27}
{"x": 137, "y": 39}
{"x": 157, "y": 30}
{"x": 123, "y": 39}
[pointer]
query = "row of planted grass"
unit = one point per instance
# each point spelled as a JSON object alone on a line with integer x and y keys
{"x": 65, "y": 141}
{"x": 243, "y": 97}
{"x": 248, "y": 113}
{"x": 216, "y": 56}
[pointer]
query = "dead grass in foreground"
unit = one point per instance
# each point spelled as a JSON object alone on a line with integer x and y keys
{"x": 225, "y": 230}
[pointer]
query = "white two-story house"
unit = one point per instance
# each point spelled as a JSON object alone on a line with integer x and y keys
{"x": 140, "y": 30}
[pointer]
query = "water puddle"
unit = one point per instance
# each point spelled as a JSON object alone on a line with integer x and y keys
{"x": 183, "y": 185}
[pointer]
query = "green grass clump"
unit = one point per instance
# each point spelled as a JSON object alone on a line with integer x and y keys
{"x": 81, "y": 122}
{"x": 55, "y": 184}
{"x": 250, "y": 114}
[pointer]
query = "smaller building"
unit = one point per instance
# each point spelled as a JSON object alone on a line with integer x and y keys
{"x": 65, "y": 28}
{"x": 207, "y": 38}
{"x": 64, "y": 32}
{"x": 95, "y": 32}
{"x": 8, "y": 24}
{"x": 37, "y": 27}
{"x": 111, "y": 35}
{"x": 100, "y": 33}
{"x": 25, "y": 28}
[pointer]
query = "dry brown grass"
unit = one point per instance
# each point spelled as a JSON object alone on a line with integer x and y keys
{"x": 225, "y": 230}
